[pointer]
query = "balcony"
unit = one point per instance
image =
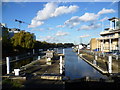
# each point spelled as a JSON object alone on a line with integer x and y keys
{"x": 110, "y": 37}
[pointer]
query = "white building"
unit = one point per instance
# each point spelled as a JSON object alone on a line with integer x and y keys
{"x": 110, "y": 38}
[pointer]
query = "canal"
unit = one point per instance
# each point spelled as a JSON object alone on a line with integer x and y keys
{"x": 76, "y": 68}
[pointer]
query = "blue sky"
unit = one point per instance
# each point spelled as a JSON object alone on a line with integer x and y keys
{"x": 60, "y": 22}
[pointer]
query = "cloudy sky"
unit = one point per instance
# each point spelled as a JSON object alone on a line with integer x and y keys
{"x": 60, "y": 22}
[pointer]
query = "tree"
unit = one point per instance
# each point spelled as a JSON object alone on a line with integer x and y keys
{"x": 6, "y": 43}
{"x": 23, "y": 39}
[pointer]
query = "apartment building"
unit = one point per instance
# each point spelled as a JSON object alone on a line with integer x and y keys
{"x": 110, "y": 37}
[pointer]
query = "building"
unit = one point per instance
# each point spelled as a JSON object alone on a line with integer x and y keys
{"x": 80, "y": 46}
{"x": 93, "y": 44}
{"x": 110, "y": 37}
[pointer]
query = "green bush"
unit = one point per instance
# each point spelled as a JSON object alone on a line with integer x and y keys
{"x": 10, "y": 84}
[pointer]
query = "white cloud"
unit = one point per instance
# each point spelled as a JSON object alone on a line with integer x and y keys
{"x": 89, "y": 27}
{"x": 37, "y": 29}
{"x": 74, "y": 21}
{"x": 84, "y": 27}
{"x": 35, "y": 23}
{"x": 105, "y": 11}
{"x": 49, "y": 28}
{"x": 64, "y": 10}
{"x": 105, "y": 18}
{"x": 59, "y": 33}
{"x": 47, "y": 38}
{"x": 60, "y": 26}
{"x": 83, "y": 36}
{"x": 88, "y": 17}
{"x": 51, "y": 10}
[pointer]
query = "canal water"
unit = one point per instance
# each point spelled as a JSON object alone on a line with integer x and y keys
{"x": 76, "y": 68}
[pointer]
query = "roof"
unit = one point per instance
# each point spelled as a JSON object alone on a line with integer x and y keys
{"x": 106, "y": 28}
{"x": 112, "y": 18}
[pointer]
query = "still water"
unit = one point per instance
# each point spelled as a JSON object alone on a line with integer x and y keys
{"x": 77, "y": 68}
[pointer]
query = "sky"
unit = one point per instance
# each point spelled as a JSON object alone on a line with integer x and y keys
{"x": 60, "y": 22}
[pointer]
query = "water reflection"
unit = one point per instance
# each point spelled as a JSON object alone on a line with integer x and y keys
{"x": 75, "y": 67}
{"x": 79, "y": 59}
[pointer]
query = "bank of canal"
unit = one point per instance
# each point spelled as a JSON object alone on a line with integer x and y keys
{"x": 76, "y": 68}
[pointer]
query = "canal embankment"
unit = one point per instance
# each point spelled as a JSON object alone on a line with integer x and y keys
{"x": 93, "y": 65}
{"x": 39, "y": 74}
{"x": 100, "y": 62}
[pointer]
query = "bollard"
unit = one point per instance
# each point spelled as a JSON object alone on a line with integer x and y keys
{"x": 38, "y": 57}
{"x": 28, "y": 53}
{"x": 61, "y": 69}
{"x": 8, "y": 64}
{"x": 103, "y": 54}
{"x": 60, "y": 59}
{"x": 99, "y": 54}
{"x": 16, "y": 57}
{"x": 78, "y": 51}
{"x": 80, "y": 55}
{"x": 63, "y": 51}
{"x": 49, "y": 61}
{"x": 33, "y": 51}
{"x": 16, "y": 72}
{"x": 110, "y": 64}
{"x": 95, "y": 57}
{"x": 116, "y": 57}
{"x": 94, "y": 62}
